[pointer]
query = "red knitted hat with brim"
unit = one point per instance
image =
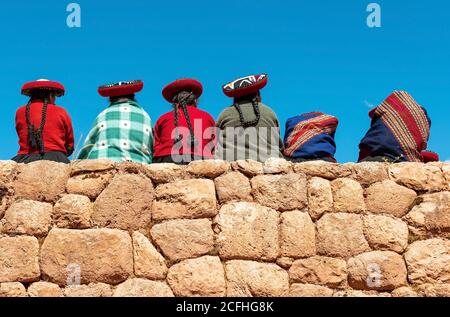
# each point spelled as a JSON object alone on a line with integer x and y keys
{"x": 45, "y": 85}
{"x": 122, "y": 88}
{"x": 245, "y": 86}
{"x": 186, "y": 84}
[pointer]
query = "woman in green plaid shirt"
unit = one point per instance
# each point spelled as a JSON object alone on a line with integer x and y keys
{"x": 123, "y": 131}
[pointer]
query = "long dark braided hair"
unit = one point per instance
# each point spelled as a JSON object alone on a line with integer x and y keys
{"x": 182, "y": 100}
{"x": 35, "y": 136}
{"x": 255, "y": 99}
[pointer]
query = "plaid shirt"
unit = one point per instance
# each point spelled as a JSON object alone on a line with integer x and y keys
{"x": 122, "y": 132}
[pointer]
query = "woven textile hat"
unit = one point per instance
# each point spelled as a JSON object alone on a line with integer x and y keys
{"x": 185, "y": 84}
{"x": 43, "y": 84}
{"x": 245, "y": 85}
{"x": 122, "y": 88}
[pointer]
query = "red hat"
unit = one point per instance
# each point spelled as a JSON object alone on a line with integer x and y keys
{"x": 428, "y": 157}
{"x": 245, "y": 86}
{"x": 122, "y": 88}
{"x": 43, "y": 84}
{"x": 185, "y": 84}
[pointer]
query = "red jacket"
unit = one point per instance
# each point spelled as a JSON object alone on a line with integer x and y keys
{"x": 58, "y": 131}
{"x": 204, "y": 131}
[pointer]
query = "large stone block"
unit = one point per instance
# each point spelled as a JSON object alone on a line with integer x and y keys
{"x": 27, "y": 217}
{"x": 189, "y": 199}
{"x": 370, "y": 172}
{"x": 348, "y": 196}
{"x": 320, "y": 270}
{"x": 89, "y": 166}
{"x": 388, "y": 197}
{"x": 341, "y": 235}
{"x": 201, "y": 277}
{"x": 90, "y": 185}
{"x": 249, "y": 168}
{"x": 309, "y": 290}
{"x": 148, "y": 262}
{"x": 248, "y": 231}
{"x": 254, "y": 279}
{"x": 298, "y": 235}
{"x": 280, "y": 192}
{"x": 125, "y": 204}
{"x": 73, "y": 212}
{"x": 377, "y": 270}
{"x": 12, "y": 290}
{"x": 208, "y": 168}
{"x": 184, "y": 239}
{"x": 91, "y": 290}
{"x": 323, "y": 169}
{"x": 96, "y": 255}
{"x": 166, "y": 173}
{"x": 233, "y": 186}
{"x": 428, "y": 261}
{"x": 19, "y": 259}
{"x": 385, "y": 233}
{"x": 41, "y": 181}
{"x": 418, "y": 176}
{"x": 44, "y": 289}
{"x": 320, "y": 197}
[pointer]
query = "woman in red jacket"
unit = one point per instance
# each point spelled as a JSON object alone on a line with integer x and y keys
{"x": 186, "y": 133}
{"x": 45, "y": 130}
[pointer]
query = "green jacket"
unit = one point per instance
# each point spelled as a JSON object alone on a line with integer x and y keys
{"x": 257, "y": 143}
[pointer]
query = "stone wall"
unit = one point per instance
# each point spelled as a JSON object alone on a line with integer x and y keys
{"x": 94, "y": 228}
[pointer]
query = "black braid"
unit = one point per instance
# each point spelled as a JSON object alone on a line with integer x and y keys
{"x": 183, "y": 99}
{"x": 253, "y": 123}
{"x": 35, "y": 136}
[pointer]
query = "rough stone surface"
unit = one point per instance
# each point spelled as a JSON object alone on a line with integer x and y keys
{"x": 12, "y": 290}
{"x": 370, "y": 173}
{"x": 280, "y": 192}
{"x": 90, "y": 185}
{"x": 27, "y": 217}
{"x": 184, "y": 239}
{"x": 166, "y": 173}
{"x": 249, "y": 168}
{"x": 41, "y": 181}
{"x": 434, "y": 290}
{"x": 125, "y": 203}
{"x": 377, "y": 270}
{"x": 202, "y": 277}
{"x": 185, "y": 199}
{"x": 44, "y": 289}
{"x": 417, "y": 176}
{"x": 208, "y": 168}
{"x": 428, "y": 261}
{"x": 233, "y": 186}
{"x": 277, "y": 166}
{"x": 143, "y": 288}
{"x": 19, "y": 259}
{"x": 432, "y": 214}
{"x": 297, "y": 234}
{"x": 404, "y": 291}
{"x": 320, "y": 197}
{"x": 348, "y": 196}
{"x": 98, "y": 255}
{"x": 253, "y": 279}
{"x": 148, "y": 262}
{"x": 308, "y": 290}
{"x": 320, "y": 270}
{"x": 323, "y": 169}
{"x": 341, "y": 235}
{"x": 388, "y": 197}
{"x": 86, "y": 166}
{"x": 248, "y": 231}
{"x": 73, "y": 212}
{"x": 385, "y": 233}
{"x": 91, "y": 290}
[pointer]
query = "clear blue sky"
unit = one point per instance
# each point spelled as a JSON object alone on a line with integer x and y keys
{"x": 320, "y": 56}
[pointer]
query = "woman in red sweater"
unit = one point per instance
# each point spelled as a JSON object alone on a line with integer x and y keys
{"x": 186, "y": 133}
{"x": 45, "y": 130}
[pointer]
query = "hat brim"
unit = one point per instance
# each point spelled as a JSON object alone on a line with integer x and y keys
{"x": 235, "y": 92}
{"x": 121, "y": 89}
{"x": 190, "y": 85}
{"x": 50, "y": 86}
